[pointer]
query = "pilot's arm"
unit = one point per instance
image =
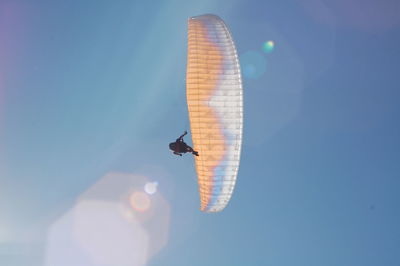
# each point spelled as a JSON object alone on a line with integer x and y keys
{"x": 181, "y": 137}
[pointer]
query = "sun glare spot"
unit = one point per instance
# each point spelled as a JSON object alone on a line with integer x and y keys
{"x": 268, "y": 46}
{"x": 151, "y": 188}
{"x": 140, "y": 201}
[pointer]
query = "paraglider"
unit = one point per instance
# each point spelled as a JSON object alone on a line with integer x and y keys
{"x": 215, "y": 103}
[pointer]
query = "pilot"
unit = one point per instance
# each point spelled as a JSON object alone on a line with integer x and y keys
{"x": 179, "y": 146}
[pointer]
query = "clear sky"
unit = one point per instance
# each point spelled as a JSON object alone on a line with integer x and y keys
{"x": 92, "y": 92}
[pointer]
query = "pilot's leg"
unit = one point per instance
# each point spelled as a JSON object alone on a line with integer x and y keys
{"x": 189, "y": 149}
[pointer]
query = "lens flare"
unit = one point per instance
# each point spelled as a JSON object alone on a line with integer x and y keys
{"x": 114, "y": 222}
{"x": 268, "y": 46}
{"x": 253, "y": 64}
{"x": 151, "y": 187}
{"x": 140, "y": 201}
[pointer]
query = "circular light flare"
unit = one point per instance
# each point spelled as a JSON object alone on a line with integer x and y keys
{"x": 140, "y": 201}
{"x": 122, "y": 194}
{"x": 253, "y": 64}
{"x": 151, "y": 187}
{"x": 268, "y": 46}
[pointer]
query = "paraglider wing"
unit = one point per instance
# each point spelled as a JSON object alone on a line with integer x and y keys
{"x": 215, "y": 102}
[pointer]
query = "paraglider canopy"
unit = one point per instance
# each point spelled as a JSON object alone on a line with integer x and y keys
{"x": 215, "y": 103}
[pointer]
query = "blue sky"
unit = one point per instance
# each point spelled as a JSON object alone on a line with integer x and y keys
{"x": 89, "y": 88}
